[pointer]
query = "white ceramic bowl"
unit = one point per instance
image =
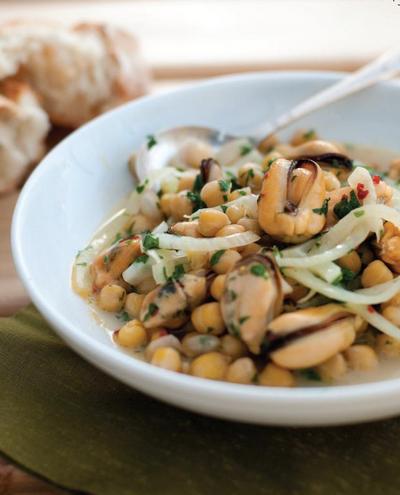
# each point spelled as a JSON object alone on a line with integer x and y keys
{"x": 79, "y": 182}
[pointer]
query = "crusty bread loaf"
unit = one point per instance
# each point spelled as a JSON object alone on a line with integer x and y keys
{"x": 23, "y": 129}
{"x": 67, "y": 75}
{"x": 78, "y": 72}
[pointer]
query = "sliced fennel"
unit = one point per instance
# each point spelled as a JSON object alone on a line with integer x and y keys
{"x": 374, "y": 295}
{"x": 186, "y": 243}
{"x": 375, "y": 319}
{"x": 138, "y": 271}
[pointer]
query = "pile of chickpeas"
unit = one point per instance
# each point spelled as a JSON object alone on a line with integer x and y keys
{"x": 202, "y": 346}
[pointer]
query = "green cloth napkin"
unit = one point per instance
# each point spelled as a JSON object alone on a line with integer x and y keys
{"x": 70, "y": 423}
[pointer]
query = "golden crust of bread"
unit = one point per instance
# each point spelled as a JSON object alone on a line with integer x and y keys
{"x": 23, "y": 129}
{"x": 78, "y": 72}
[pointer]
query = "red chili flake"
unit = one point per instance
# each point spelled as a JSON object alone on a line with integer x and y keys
{"x": 371, "y": 309}
{"x": 376, "y": 179}
{"x": 361, "y": 192}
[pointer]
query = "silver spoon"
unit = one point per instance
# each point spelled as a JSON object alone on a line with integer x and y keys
{"x": 159, "y": 150}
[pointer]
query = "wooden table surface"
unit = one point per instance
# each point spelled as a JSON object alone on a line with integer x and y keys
{"x": 182, "y": 40}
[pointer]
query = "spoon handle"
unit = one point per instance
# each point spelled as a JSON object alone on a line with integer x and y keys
{"x": 382, "y": 67}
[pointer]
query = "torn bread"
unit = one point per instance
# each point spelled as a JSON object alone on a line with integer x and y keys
{"x": 23, "y": 129}
{"x": 78, "y": 72}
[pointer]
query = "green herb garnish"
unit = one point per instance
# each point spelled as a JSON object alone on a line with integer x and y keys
{"x": 224, "y": 208}
{"x": 224, "y": 185}
{"x": 346, "y": 205}
{"x": 123, "y": 316}
{"x": 259, "y": 270}
{"x": 151, "y": 141}
{"x": 216, "y": 257}
{"x": 311, "y": 134}
{"x": 245, "y": 149}
{"x": 150, "y": 242}
{"x": 141, "y": 187}
{"x": 324, "y": 208}
{"x": 142, "y": 258}
{"x": 179, "y": 271}
{"x": 359, "y": 213}
{"x": 243, "y": 319}
{"x": 153, "y": 308}
{"x": 310, "y": 374}
{"x": 198, "y": 183}
{"x": 196, "y": 200}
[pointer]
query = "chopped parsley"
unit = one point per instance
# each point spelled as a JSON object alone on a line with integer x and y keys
{"x": 198, "y": 183}
{"x": 196, "y": 200}
{"x": 310, "y": 374}
{"x": 259, "y": 270}
{"x": 324, "y": 208}
{"x": 123, "y": 316}
{"x": 242, "y": 193}
{"x": 224, "y": 185}
{"x": 243, "y": 319}
{"x": 150, "y": 242}
{"x": 216, "y": 257}
{"x": 232, "y": 296}
{"x": 359, "y": 213}
{"x": 348, "y": 275}
{"x": 106, "y": 260}
{"x": 245, "y": 149}
{"x": 151, "y": 141}
{"x": 153, "y": 308}
{"x": 142, "y": 258}
{"x": 141, "y": 187}
{"x": 179, "y": 271}
{"x": 311, "y": 134}
{"x": 234, "y": 330}
{"x": 346, "y": 205}
{"x": 224, "y": 208}
{"x": 81, "y": 264}
{"x": 276, "y": 252}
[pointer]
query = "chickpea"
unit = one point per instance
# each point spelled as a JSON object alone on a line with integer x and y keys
{"x": 268, "y": 143}
{"x": 212, "y": 365}
{"x": 186, "y": 180}
{"x": 235, "y": 213}
{"x": 388, "y": 346}
{"x": 194, "y": 344}
{"x": 167, "y": 358}
{"x": 361, "y": 357}
{"x": 250, "y": 224}
{"x": 162, "y": 341}
{"x": 190, "y": 228}
{"x": 133, "y": 304}
{"x": 211, "y": 221}
{"x": 251, "y": 175}
{"x": 331, "y": 181}
{"x": 233, "y": 347}
{"x": 302, "y": 136}
{"x": 230, "y": 230}
{"x": 156, "y": 333}
{"x": 392, "y": 313}
{"x": 112, "y": 298}
{"x": 197, "y": 259}
{"x": 269, "y": 158}
{"x": 376, "y": 273}
{"x": 213, "y": 193}
{"x": 394, "y": 169}
{"x": 241, "y": 371}
{"x": 176, "y": 205}
{"x": 147, "y": 285}
{"x": 333, "y": 369}
{"x": 194, "y": 151}
{"x": 217, "y": 287}
{"x": 132, "y": 334}
{"x": 366, "y": 255}
{"x": 275, "y": 376}
{"x": 225, "y": 262}
{"x": 252, "y": 248}
{"x": 142, "y": 223}
{"x": 351, "y": 261}
{"x": 207, "y": 318}
{"x": 237, "y": 193}
{"x": 394, "y": 301}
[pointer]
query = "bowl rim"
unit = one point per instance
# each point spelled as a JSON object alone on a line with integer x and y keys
{"x": 217, "y": 390}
